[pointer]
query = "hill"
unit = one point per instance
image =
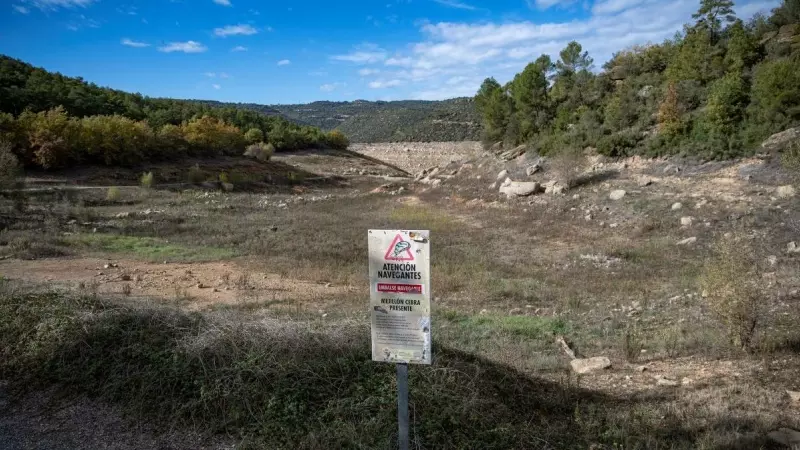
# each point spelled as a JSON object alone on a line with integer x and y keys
{"x": 364, "y": 121}
{"x": 50, "y": 120}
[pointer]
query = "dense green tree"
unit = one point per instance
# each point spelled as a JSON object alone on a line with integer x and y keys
{"x": 742, "y": 51}
{"x": 254, "y": 135}
{"x": 529, "y": 93}
{"x": 712, "y": 14}
{"x": 727, "y": 101}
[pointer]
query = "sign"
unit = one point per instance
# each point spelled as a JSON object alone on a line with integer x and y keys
{"x": 400, "y": 296}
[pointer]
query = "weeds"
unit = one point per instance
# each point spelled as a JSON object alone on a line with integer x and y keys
{"x": 147, "y": 248}
{"x": 146, "y": 180}
{"x": 113, "y": 194}
{"x": 632, "y": 344}
{"x": 733, "y": 284}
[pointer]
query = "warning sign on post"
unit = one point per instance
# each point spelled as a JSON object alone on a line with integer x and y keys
{"x": 400, "y": 298}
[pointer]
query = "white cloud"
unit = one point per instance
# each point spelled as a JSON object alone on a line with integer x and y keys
{"x": 385, "y": 84}
{"x": 131, "y": 43}
{"x": 318, "y": 73}
{"x": 284, "y": 62}
{"x": 363, "y": 54}
{"x": 224, "y": 75}
{"x": 232, "y": 30}
{"x": 545, "y": 4}
{"x": 210, "y": 74}
{"x": 239, "y": 48}
{"x": 330, "y": 87}
{"x": 53, "y": 5}
{"x": 456, "y": 4}
{"x": 368, "y": 72}
{"x": 457, "y": 80}
{"x": 185, "y": 47}
{"x": 612, "y": 6}
{"x": 216, "y": 86}
{"x": 223, "y": 2}
{"x": 21, "y": 9}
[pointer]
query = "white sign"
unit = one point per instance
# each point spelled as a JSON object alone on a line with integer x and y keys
{"x": 400, "y": 295}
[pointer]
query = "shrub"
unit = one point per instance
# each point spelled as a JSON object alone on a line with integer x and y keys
{"x": 776, "y": 94}
{"x": 727, "y": 100}
{"x": 618, "y": 144}
{"x": 254, "y": 135}
{"x": 632, "y": 344}
{"x": 9, "y": 166}
{"x": 224, "y": 177}
{"x": 260, "y": 151}
{"x": 732, "y": 284}
{"x": 53, "y": 136}
{"x": 196, "y": 174}
{"x": 567, "y": 165}
{"x": 790, "y": 159}
{"x": 209, "y": 136}
{"x": 115, "y": 140}
{"x": 113, "y": 194}
{"x": 336, "y": 139}
{"x": 147, "y": 180}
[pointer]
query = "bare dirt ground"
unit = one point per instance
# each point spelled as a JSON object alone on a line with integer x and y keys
{"x": 615, "y": 272}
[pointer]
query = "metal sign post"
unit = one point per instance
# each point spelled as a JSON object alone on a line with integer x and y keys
{"x": 400, "y": 307}
{"x": 402, "y": 405}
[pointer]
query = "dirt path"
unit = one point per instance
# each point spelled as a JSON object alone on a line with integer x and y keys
{"x": 196, "y": 286}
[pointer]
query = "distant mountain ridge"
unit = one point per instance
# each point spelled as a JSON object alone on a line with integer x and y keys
{"x": 380, "y": 121}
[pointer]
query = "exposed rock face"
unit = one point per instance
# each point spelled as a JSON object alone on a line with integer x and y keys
{"x": 520, "y": 188}
{"x": 780, "y": 140}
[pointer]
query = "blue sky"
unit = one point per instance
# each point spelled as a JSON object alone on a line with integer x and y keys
{"x": 301, "y": 51}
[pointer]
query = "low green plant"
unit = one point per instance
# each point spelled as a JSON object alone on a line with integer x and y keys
{"x": 146, "y": 180}
{"x": 113, "y": 194}
{"x": 260, "y": 151}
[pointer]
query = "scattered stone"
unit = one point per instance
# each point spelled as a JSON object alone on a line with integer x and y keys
{"x": 617, "y": 194}
{"x": 772, "y": 260}
{"x": 661, "y": 381}
{"x": 671, "y": 168}
{"x": 502, "y": 175}
{"x": 645, "y": 181}
{"x": 794, "y": 396}
{"x": 687, "y": 221}
{"x": 507, "y": 182}
{"x": 700, "y": 204}
{"x": 520, "y": 188}
{"x": 587, "y": 365}
{"x": 122, "y": 215}
{"x": 588, "y": 217}
{"x": 106, "y": 266}
{"x": 436, "y": 182}
{"x": 641, "y": 368}
{"x": 125, "y": 277}
{"x": 274, "y": 229}
{"x": 686, "y": 380}
{"x": 676, "y": 206}
{"x": 515, "y": 312}
{"x": 792, "y": 247}
{"x": 557, "y": 189}
{"x": 532, "y": 169}
{"x": 688, "y": 241}
{"x": 138, "y": 278}
{"x": 484, "y": 312}
{"x": 787, "y": 191}
{"x": 202, "y": 286}
{"x": 785, "y": 436}
{"x": 227, "y": 187}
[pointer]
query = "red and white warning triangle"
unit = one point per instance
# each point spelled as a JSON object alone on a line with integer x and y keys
{"x": 399, "y": 250}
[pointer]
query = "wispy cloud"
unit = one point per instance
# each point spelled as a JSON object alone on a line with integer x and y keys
{"x": 224, "y": 75}
{"x": 284, "y": 62}
{"x": 132, "y": 43}
{"x": 318, "y": 73}
{"x": 216, "y": 86}
{"x": 185, "y": 47}
{"x": 239, "y": 48}
{"x": 223, "y": 2}
{"x": 385, "y": 84}
{"x": 546, "y": 4}
{"x": 53, "y": 5}
{"x": 82, "y": 21}
{"x": 232, "y": 30}
{"x": 363, "y": 54}
{"x": 456, "y": 4}
{"x": 368, "y": 72}
{"x": 210, "y": 74}
{"x": 330, "y": 87}
{"x": 21, "y": 9}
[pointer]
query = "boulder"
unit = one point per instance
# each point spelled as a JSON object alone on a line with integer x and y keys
{"x": 792, "y": 247}
{"x": 787, "y": 191}
{"x": 687, "y": 221}
{"x": 617, "y": 194}
{"x": 502, "y": 175}
{"x": 786, "y": 436}
{"x": 794, "y": 396}
{"x": 676, "y": 206}
{"x": 532, "y": 169}
{"x": 661, "y": 381}
{"x": 587, "y": 365}
{"x": 645, "y": 181}
{"x": 780, "y": 140}
{"x": 520, "y": 188}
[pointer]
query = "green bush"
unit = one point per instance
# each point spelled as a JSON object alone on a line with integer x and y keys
{"x": 727, "y": 100}
{"x": 260, "y": 151}
{"x": 254, "y": 135}
{"x": 146, "y": 180}
{"x": 775, "y": 98}
{"x": 618, "y": 144}
{"x": 113, "y": 194}
{"x": 336, "y": 139}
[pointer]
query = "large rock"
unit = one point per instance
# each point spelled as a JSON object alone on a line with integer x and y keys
{"x": 786, "y": 436}
{"x": 787, "y": 191}
{"x": 792, "y": 247}
{"x": 588, "y": 365}
{"x": 502, "y": 175}
{"x": 779, "y": 140}
{"x": 617, "y": 194}
{"x": 532, "y": 169}
{"x": 520, "y": 188}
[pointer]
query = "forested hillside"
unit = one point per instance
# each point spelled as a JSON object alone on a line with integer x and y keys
{"x": 406, "y": 120}
{"x": 715, "y": 90}
{"x": 50, "y": 120}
